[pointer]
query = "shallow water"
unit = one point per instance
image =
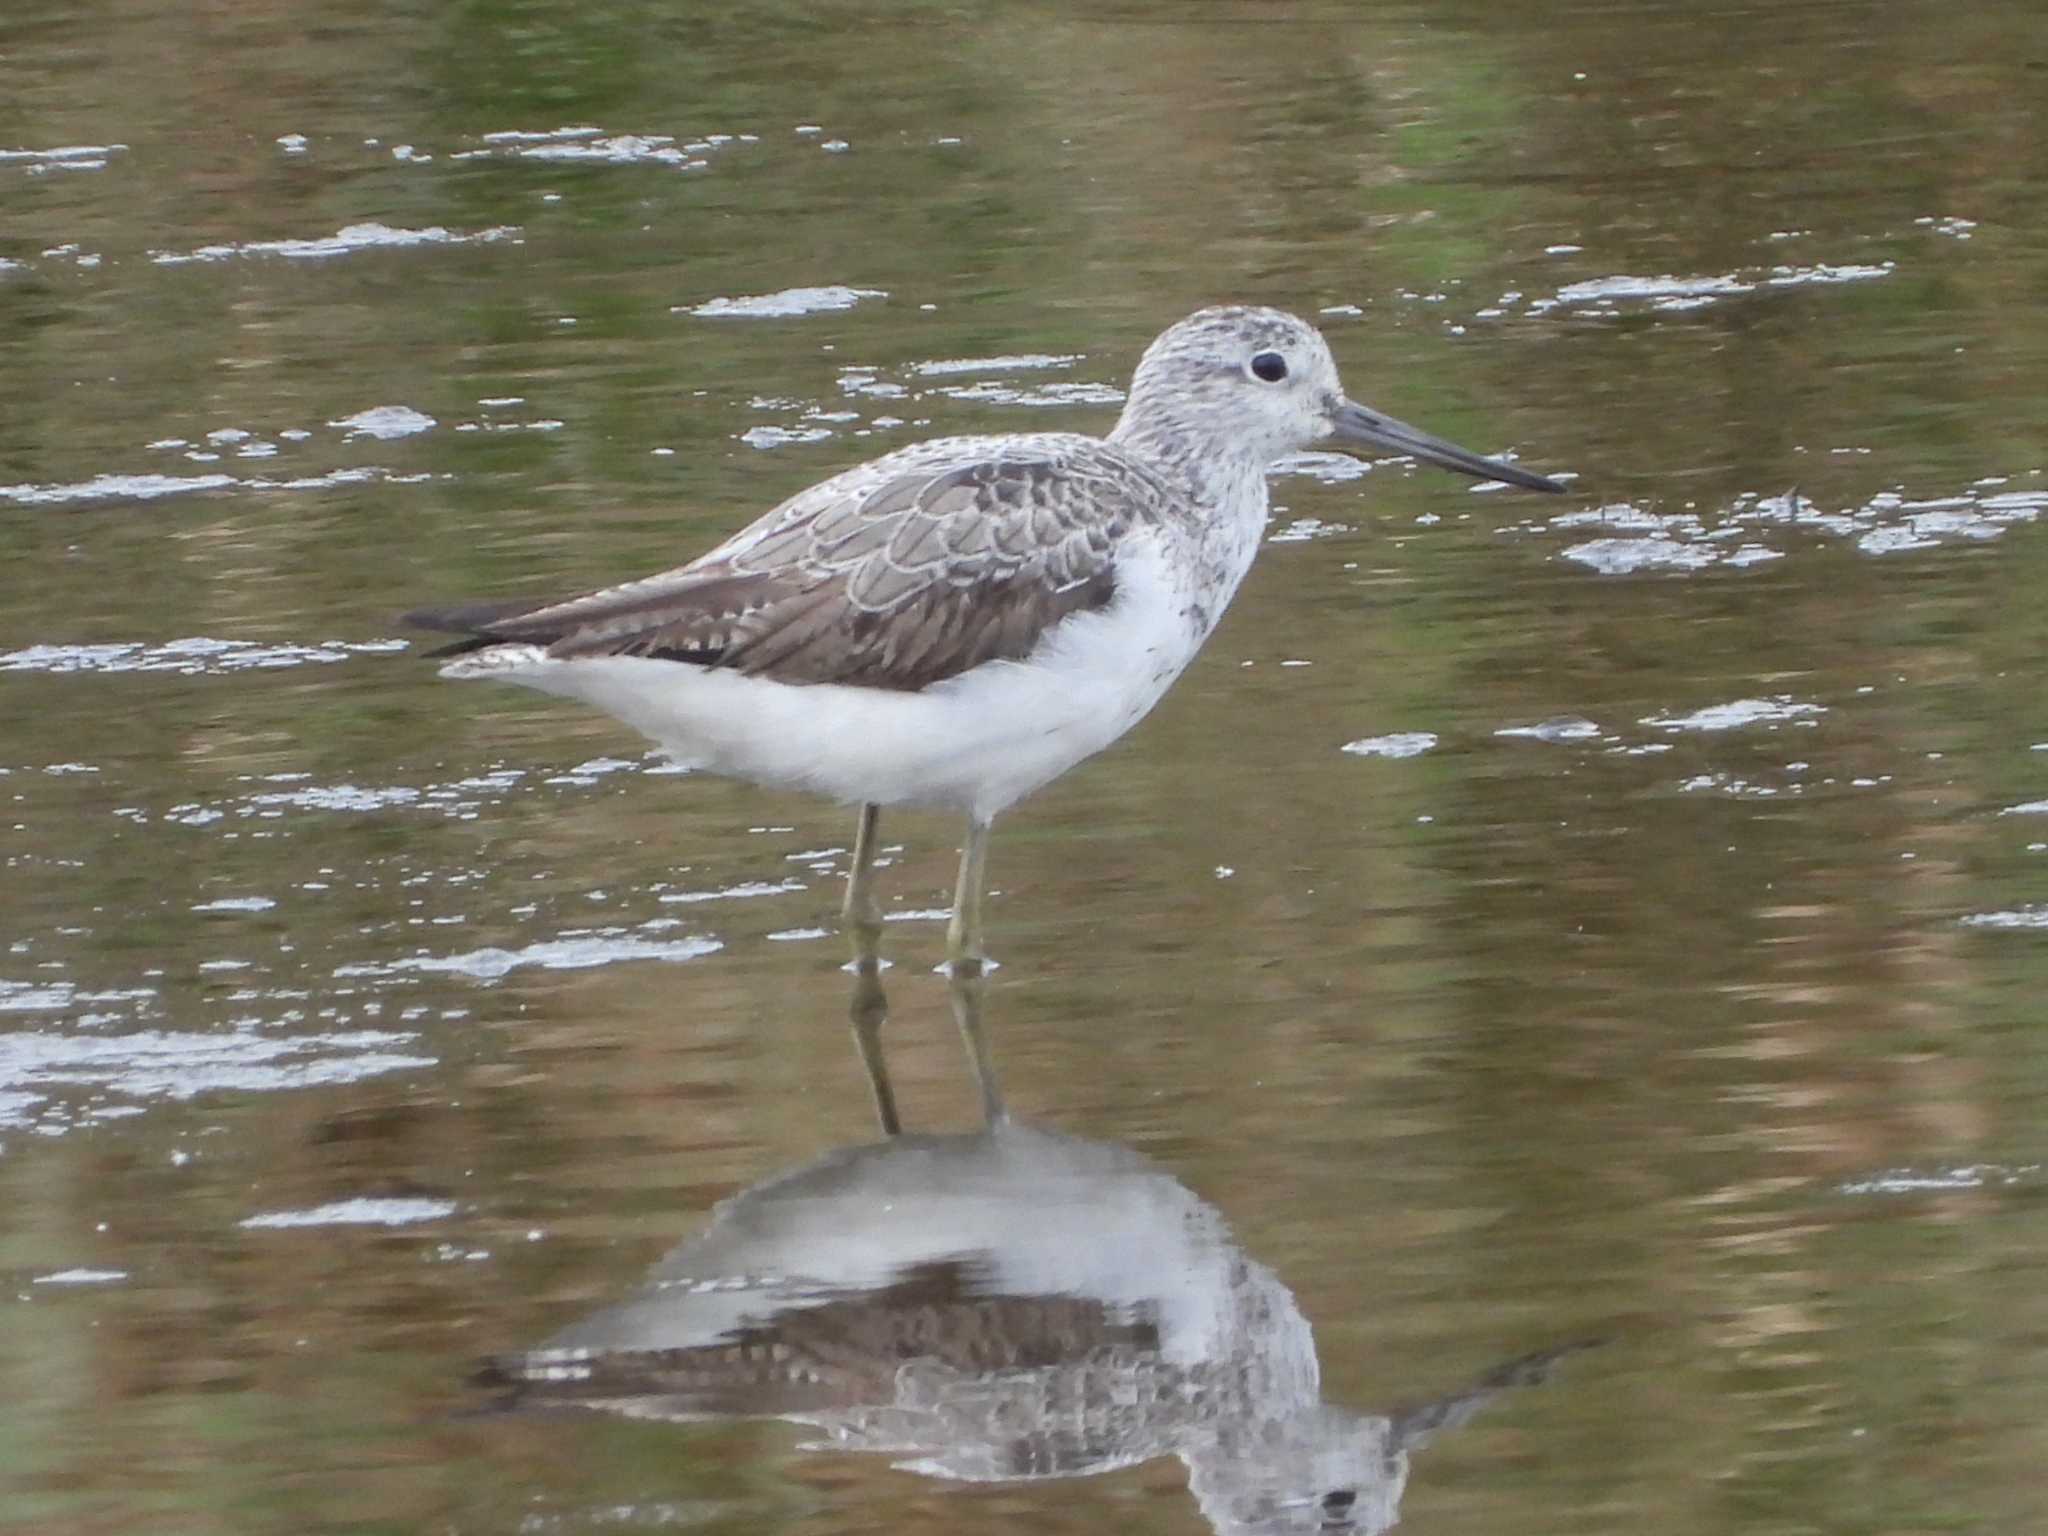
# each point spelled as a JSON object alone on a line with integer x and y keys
{"x": 1532, "y": 921}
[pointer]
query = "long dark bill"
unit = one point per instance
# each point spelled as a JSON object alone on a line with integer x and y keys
{"x": 1358, "y": 424}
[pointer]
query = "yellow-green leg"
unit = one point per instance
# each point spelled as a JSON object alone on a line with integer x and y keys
{"x": 869, "y": 1009}
{"x": 967, "y": 968}
{"x": 964, "y": 948}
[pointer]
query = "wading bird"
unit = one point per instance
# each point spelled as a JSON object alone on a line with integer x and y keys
{"x": 958, "y": 623}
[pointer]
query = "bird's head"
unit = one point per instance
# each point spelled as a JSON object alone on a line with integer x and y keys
{"x": 1263, "y": 381}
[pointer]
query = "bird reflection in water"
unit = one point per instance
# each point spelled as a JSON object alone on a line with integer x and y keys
{"x": 1000, "y": 1307}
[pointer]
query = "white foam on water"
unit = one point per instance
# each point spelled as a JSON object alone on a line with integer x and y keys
{"x": 1625, "y": 557}
{"x": 548, "y": 424}
{"x": 345, "y": 241}
{"x": 616, "y": 149}
{"x": 1302, "y": 529}
{"x": 65, "y": 997}
{"x": 747, "y": 890}
{"x": 116, "y": 488}
{"x": 1738, "y": 713}
{"x": 461, "y": 798}
{"x": 579, "y": 953}
{"x": 788, "y": 303}
{"x": 1825, "y": 272}
{"x": 2017, "y": 917}
{"x": 334, "y": 797}
{"x": 995, "y": 392}
{"x": 782, "y": 437}
{"x": 1623, "y": 288}
{"x": 942, "y": 367}
{"x": 514, "y": 136}
{"x": 1559, "y": 728}
{"x": 1324, "y": 468}
{"x": 363, "y": 1211}
{"x": 1735, "y": 787}
{"x": 82, "y": 1277}
{"x": 1675, "y": 292}
{"x": 147, "y": 1065}
{"x": 385, "y": 422}
{"x": 858, "y": 381}
{"x": 1400, "y": 744}
{"x": 63, "y": 152}
{"x": 192, "y": 656}
{"x": 1886, "y": 524}
{"x": 1914, "y": 1181}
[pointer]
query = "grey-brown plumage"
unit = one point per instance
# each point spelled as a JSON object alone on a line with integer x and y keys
{"x": 841, "y": 1354}
{"x": 915, "y": 568}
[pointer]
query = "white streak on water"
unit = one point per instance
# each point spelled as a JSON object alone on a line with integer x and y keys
{"x": 108, "y": 488}
{"x": 1303, "y": 529}
{"x": 616, "y": 149}
{"x": 785, "y": 304}
{"x": 513, "y": 136}
{"x": 995, "y": 392}
{"x": 174, "y": 1064}
{"x": 1670, "y": 291}
{"x": 2017, "y": 917}
{"x": 1559, "y": 728}
{"x": 117, "y": 487}
{"x": 583, "y": 952}
{"x": 1738, "y": 713}
{"x": 1911, "y": 1181}
{"x": 66, "y": 157}
{"x": 940, "y": 367}
{"x": 1401, "y": 744}
{"x": 191, "y": 656}
{"x": 364, "y": 1211}
{"x": 63, "y": 997}
{"x": 343, "y": 242}
{"x": 745, "y": 891}
{"x": 1326, "y": 468}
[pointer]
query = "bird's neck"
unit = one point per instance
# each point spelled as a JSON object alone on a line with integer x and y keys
{"x": 1219, "y": 483}
{"x": 1223, "y": 502}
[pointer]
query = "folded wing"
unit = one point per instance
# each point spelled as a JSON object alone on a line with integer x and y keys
{"x": 894, "y": 582}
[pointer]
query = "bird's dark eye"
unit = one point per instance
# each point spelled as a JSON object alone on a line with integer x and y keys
{"x": 1270, "y": 366}
{"x": 1337, "y": 1503}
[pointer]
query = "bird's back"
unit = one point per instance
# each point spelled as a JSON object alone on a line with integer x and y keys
{"x": 898, "y": 573}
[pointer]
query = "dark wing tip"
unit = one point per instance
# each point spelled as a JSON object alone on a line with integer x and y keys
{"x": 477, "y": 623}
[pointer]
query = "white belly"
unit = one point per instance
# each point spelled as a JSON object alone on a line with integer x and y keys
{"x": 978, "y": 742}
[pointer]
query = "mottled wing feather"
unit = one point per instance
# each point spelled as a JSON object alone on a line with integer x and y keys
{"x": 843, "y": 1353}
{"x": 895, "y": 583}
